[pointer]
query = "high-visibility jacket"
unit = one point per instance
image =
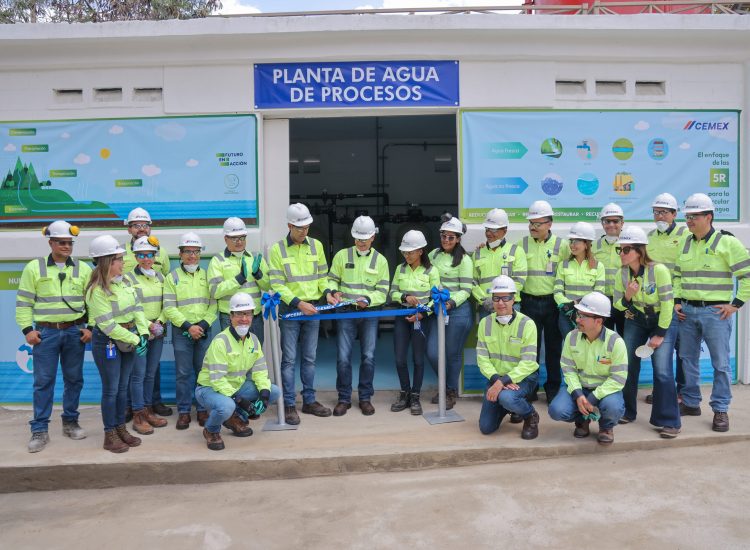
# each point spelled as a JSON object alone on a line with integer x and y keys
{"x": 187, "y": 300}
{"x": 601, "y": 365}
{"x": 299, "y": 272}
{"x": 161, "y": 260}
{"x": 354, "y": 275}
{"x": 575, "y": 280}
{"x": 229, "y": 360}
{"x": 607, "y": 255}
{"x": 458, "y": 280}
{"x": 705, "y": 268}
{"x": 665, "y": 247}
{"x": 42, "y": 295}
{"x": 222, "y": 272}
{"x": 150, "y": 292}
{"x": 542, "y": 258}
{"x": 414, "y": 282}
{"x": 654, "y": 295}
{"x": 108, "y": 310}
{"x": 507, "y": 259}
{"x": 507, "y": 352}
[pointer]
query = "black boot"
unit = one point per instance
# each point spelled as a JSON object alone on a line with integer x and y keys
{"x": 415, "y": 405}
{"x": 402, "y": 402}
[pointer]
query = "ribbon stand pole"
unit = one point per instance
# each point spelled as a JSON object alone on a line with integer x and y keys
{"x": 280, "y": 423}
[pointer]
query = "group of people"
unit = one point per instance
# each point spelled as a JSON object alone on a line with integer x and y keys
{"x": 596, "y": 303}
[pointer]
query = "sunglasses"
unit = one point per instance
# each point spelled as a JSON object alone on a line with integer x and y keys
{"x": 410, "y": 252}
{"x": 625, "y": 249}
{"x": 145, "y": 255}
{"x": 299, "y": 229}
{"x": 611, "y": 222}
{"x": 447, "y": 237}
{"x": 694, "y": 216}
{"x": 537, "y": 225}
{"x": 577, "y": 241}
{"x": 661, "y": 213}
{"x": 240, "y": 239}
{"x": 502, "y": 298}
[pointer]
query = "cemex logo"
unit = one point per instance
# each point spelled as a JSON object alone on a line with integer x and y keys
{"x": 695, "y": 125}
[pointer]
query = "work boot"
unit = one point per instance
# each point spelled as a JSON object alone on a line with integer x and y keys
{"x": 435, "y": 399}
{"x": 582, "y": 429}
{"x": 668, "y": 432}
{"x": 201, "y": 416}
{"x": 290, "y": 415}
{"x": 152, "y": 419}
{"x": 73, "y": 430}
{"x": 530, "y": 428}
{"x": 414, "y": 405}
{"x": 685, "y": 410}
{"x": 366, "y": 408}
{"x": 316, "y": 409}
{"x": 341, "y": 408}
{"x": 38, "y": 441}
{"x": 128, "y": 414}
{"x": 650, "y": 399}
{"x": 721, "y": 422}
{"x": 140, "y": 424}
{"x": 450, "y": 399}
{"x": 161, "y": 409}
{"x": 401, "y": 403}
{"x": 113, "y": 443}
{"x": 183, "y": 421}
{"x": 213, "y": 440}
{"x": 606, "y": 437}
{"x": 237, "y": 426}
{"x": 127, "y": 438}
{"x": 515, "y": 418}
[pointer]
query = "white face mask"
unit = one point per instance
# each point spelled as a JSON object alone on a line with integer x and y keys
{"x": 192, "y": 268}
{"x": 611, "y": 239}
{"x": 148, "y": 272}
{"x": 242, "y": 330}
{"x": 494, "y": 244}
{"x": 117, "y": 279}
{"x": 239, "y": 254}
{"x": 662, "y": 226}
{"x": 363, "y": 252}
{"x": 504, "y": 319}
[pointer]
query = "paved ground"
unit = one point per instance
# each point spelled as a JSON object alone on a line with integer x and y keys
{"x": 684, "y": 498}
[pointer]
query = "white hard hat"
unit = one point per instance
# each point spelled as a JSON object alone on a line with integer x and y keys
{"x": 611, "y": 210}
{"x": 104, "y": 245}
{"x": 665, "y": 200}
{"x": 363, "y": 228}
{"x": 539, "y": 209}
{"x": 454, "y": 225}
{"x": 61, "y": 230}
{"x": 241, "y": 301}
{"x": 191, "y": 239}
{"x": 495, "y": 219}
{"x": 234, "y": 227}
{"x": 142, "y": 244}
{"x": 412, "y": 240}
{"x": 595, "y": 303}
{"x": 137, "y": 215}
{"x": 582, "y": 230}
{"x": 503, "y": 283}
{"x": 298, "y": 215}
{"x": 632, "y": 234}
{"x": 698, "y": 202}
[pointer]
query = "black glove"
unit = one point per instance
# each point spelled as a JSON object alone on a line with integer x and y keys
{"x": 568, "y": 309}
{"x": 244, "y": 404}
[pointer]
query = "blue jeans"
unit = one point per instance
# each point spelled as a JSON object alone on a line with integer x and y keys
{"x": 256, "y": 327}
{"x": 564, "y": 408}
{"x": 115, "y": 375}
{"x": 664, "y": 411}
{"x": 544, "y": 314}
{"x": 459, "y": 324}
{"x": 508, "y": 401}
{"x": 63, "y": 347}
{"x": 144, "y": 372}
{"x": 403, "y": 334}
{"x": 305, "y": 334}
{"x": 221, "y": 407}
{"x": 564, "y": 324}
{"x": 703, "y": 323}
{"x": 347, "y": 331}
{"x": 188, "y": 360}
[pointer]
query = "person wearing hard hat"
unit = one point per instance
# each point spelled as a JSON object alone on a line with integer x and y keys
{"x": 612, "y": 219}
{"x": 237, "y": 270}
{"x": 643, "y": 290}
{"x": 578, "y": 275}
{"x": 149, "y": 286}
{"x": 496, "y": 256}
{"x": 544, "y": 251}
{"x": 358, "y": 273}
{"x": 120, "y": 334}
{"x": 507, "y": 357}
{"x": 299, "y": 273}
{"x": 233, "y": 381}
{"x": 51, "y": 313}
{"x": 709, "y": 263}
{"x": 456, "y": 272}
{"x": 664, "y": 247}
{"x": 595, "y": 365}
{"x": 411, "y": 286}
{"x": 190, "y": 309}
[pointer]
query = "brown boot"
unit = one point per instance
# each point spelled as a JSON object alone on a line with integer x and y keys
{"x": 237, "y": 426}
{"x": 213, "y": 440}
{"x": 113, "y": 443}
{"x": 530, "y": 428}
{"x": 129, "y": 440}
{"x": 183, "y": 421}
{"x": 450, "y": 399}
{"x": 201, "y": 416}
{"x": 140, "y": 424}
{"x": 151, "y": 418}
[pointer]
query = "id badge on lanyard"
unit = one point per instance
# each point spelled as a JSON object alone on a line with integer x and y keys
{"x": 111, "y": 350}
{"x": 549, "y": 270}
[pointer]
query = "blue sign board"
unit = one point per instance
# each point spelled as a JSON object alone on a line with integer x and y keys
{"x": 356, "y": 84}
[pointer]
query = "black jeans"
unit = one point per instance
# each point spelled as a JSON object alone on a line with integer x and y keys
{"x": 403, "y": 334}
{"x": 544, "y": 313}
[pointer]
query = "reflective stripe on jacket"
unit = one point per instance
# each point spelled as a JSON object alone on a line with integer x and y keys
{"x": 507, "y": 259}
{"x": 540, "y": 281}
{"x": 509, "y": 351}
{"x": 601, "y": 365}
{"x": 354, "y": 275}
{"x": 229, "y": 361}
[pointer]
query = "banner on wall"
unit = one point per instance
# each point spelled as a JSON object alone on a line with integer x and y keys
{"x": 201, "y": 168}
{"x": 579, "y": 161}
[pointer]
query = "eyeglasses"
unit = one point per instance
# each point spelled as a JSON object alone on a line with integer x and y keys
{"x": 191, "y": 252}
{"x": 145, "y": 255}
{"x": 493, "y": 229}
{"x": 585, "y": 315}
{"x": 140, "y": 225}
{"x": 661, "y": 213}
{"x": 691, "y": 217}
{"x": 62, "y": 243}
{"x": 625, "y": 249}
{"x": 409, "y": 252}
{"x": 242, "y": 314}
{"x": 577, "y": 241}
{"x": 537, "y": 225}
{"x": 299, "y": 229}
{"x": 611, "y": 221}
{"x": 363, "y": 241}
{"x": 502, "y": 298}
{"x": 118, "y": 259}
{"x": 447, "y": 237}
{"x": 240, "y": 239}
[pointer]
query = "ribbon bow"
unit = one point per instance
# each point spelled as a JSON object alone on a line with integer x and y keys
{"x": 269, "y": 303}
{"x": 439, "y": 297}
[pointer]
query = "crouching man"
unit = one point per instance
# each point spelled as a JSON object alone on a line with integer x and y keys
{"x": 595, "y": 366}
{"x": 233, "y": 383}
{"x": 506, "y": 354}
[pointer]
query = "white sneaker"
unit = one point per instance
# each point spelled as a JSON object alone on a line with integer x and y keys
{"x": 38, "y": 441}
{"x": 73, "y": 430}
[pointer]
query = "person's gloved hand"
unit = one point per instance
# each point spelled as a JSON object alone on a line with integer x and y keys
{"x": 244, "y": 404}
{"x": 257, "y": 273}
{"x": 241, "y": 277}
{"x": 487, "y": 305}
{"x": 260, "y": 406}
{"x": 142, "y": 346}
{"x": 568, "y": 309}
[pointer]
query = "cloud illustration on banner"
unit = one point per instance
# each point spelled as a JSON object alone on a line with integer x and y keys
{"x": 9, "y": 148}
{"x": 192, "y": 163}
{"x": 171, "y": 131}
{"x": 65, "y": 135}
{"x": 116, "y": 130}
{"x": 150, "y": 170}
{"x": 684, "y": 145}
{"x": 642, "y": 125}
{"x": 82, "y": 158}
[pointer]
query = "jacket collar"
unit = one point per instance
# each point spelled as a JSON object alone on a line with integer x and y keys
{"x": 51, "y": 261}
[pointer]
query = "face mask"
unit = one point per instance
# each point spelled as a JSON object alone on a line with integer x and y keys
{"x": 117, "y": 279}
{"x": 363, "y": 252}
{"x": 239, "y": 254}
{"x": 611, "y": 239}
{"x": 148, "y": 272}
{"x": 662, "y": 226}
{"x": 242, "y": 330}
{"x": 503, "y": 319}
{"x": 192, "y": 268}
{"x": 495, "y": 244}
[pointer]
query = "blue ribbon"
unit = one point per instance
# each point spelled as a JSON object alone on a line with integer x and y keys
{"x": 440, "y": 297}
{"x": 270, "y": 302}
{"x": 297, "y": 316}
{"x": 325, "y": 307}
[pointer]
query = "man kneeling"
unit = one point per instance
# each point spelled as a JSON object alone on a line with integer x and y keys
{"x": 506, "y": 354}
{"x": 233, "y": 383}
